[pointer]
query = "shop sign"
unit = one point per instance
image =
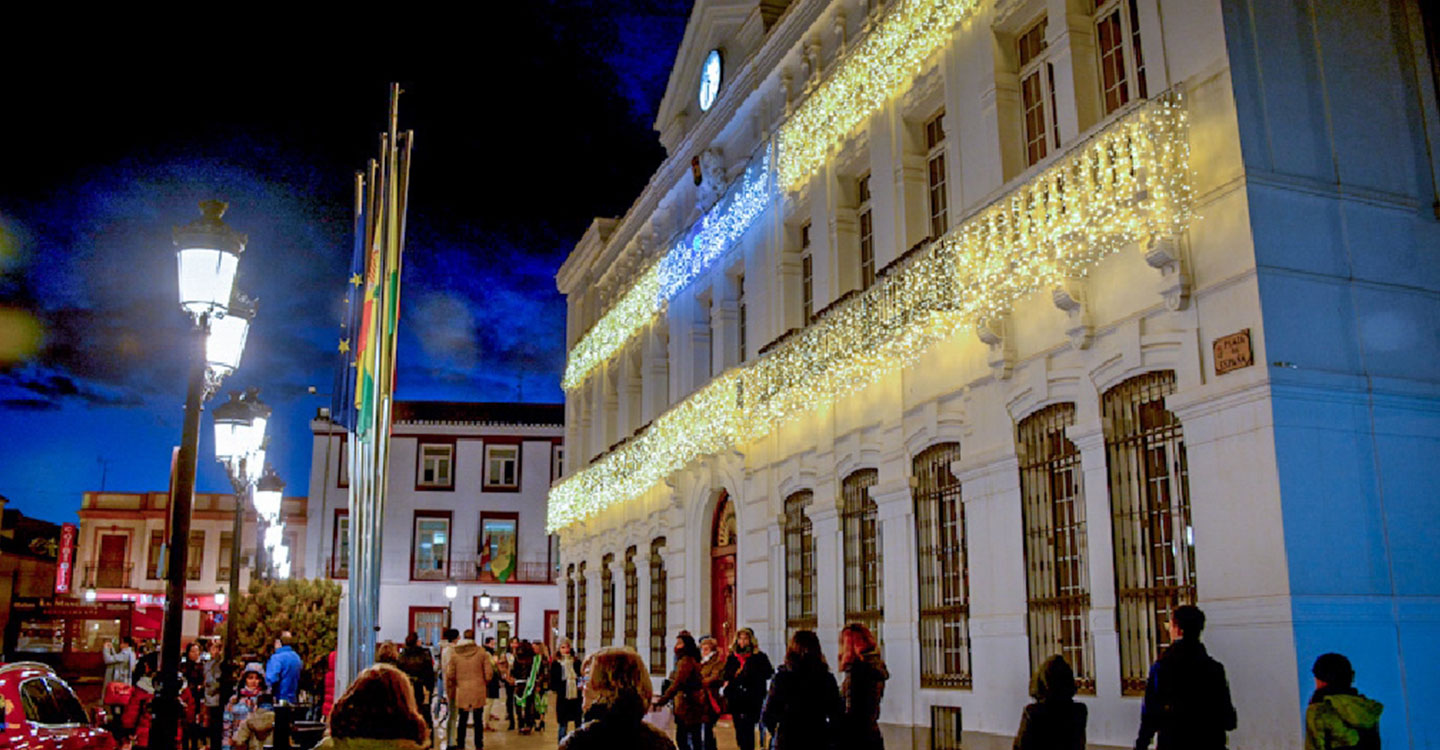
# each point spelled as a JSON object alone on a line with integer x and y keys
{"x": 1233, "y": 352}
{"x": 65, "y": 566}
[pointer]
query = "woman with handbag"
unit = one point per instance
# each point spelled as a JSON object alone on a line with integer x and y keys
{"x": 747, "y": 676}
{"x": 712, "y": 674}
{"x": 687, "y": 692}
{"x": 119, "y": 665}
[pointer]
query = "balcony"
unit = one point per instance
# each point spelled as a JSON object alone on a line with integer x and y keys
{"x": 108, "y": 576}
{"x": 468, "y": 569}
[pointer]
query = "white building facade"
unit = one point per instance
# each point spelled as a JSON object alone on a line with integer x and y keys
{"x": 1007, "y": 326}
{"x": 465, "y": 506}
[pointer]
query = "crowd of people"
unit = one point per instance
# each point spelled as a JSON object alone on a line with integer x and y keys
{"x": 417, "y": 697}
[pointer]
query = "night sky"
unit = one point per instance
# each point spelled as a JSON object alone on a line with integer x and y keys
{"x": 530, "y": 119}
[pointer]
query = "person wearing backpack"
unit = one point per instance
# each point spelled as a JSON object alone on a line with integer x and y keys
{"x": 1187, "y": 698}
{"x": 1338, "y": 715}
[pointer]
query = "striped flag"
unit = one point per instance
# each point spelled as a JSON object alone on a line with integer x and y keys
{"x": 342, "y": 392}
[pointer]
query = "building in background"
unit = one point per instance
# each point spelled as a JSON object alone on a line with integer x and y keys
{"x": 122, "y": 536}
{"x": 1007, "y": 326}
{"x": 30, "y": 551}
{"x": 465, "y": 505}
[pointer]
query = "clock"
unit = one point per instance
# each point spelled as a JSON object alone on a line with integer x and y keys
{"x": 709, "y": 80}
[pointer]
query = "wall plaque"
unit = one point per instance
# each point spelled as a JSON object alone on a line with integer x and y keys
{"x": 1233, "y": 352}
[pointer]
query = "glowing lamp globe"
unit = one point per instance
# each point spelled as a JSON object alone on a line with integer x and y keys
{"x": 226, "y": 342}
{"x": 268, "y": 493}
{"x": 221, "y": 597}
{"x": 275, "y": 537}
{"x": 239, "y": 426}
{"x": 451, "y": 590}
{"x": 208, "y": 254}
{"x": 484, "y": 600}
{"x": 281, "y": 559}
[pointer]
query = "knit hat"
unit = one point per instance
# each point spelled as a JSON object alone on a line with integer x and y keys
{"x": 255, "y": 667}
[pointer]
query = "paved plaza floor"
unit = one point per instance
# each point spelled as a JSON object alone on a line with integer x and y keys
{"x": 547, "y": 740}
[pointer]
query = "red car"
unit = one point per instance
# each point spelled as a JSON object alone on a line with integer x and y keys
{"x": 42, "y": 713}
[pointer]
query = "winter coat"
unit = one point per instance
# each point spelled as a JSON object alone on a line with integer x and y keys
{"x": 237, "y": 711}
{"x": 194, "y": 672}
{"x": 468, "y": 669}
{"x": 416, "y": 663}
{"x": 605, "y": 733}
{"x": 365, "y": 743}
{"x": 1187, "y": 700}
{"x": 1052, "y": 725}
{"x": 566, "y": 709}
{"x": 118, "y": 664}
{"x": 329, "y": 685}
{"x": 802, "y": 709}
{"x": 255, "y": 730}
{"x": 1342, "y": 718}
{"x": 712, "y": 676}
{"x": 862, "y": 691}
{"x": 745, "y": 684}
{"x": 687, "y": 690}
{"x": 282, "y": 674}
{"x": 212, "y": 683}
{"x": 136, "y": 717}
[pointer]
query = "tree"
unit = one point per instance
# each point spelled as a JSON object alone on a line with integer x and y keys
{"x": 309, "y": 609}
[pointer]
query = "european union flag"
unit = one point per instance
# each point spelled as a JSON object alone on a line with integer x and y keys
{"x": 342, "y": 405}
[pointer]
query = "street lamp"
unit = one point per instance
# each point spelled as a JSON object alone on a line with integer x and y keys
{"x": 220, "y": 599}
{"x": 269, "y": 497}
{"x": 451, "y": 591}
{"x": 240, "y": 446}
{"x": 90, "y": 594}
{"x": 207, "y": 254}
{"x": 484, "y": 600}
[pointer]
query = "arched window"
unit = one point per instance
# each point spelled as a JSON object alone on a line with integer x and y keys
{"x": 858, "y": 517}
{"x": 658, "y": 605}
{"x": 632, "y": 599}
{"x": 799, "y": 564}
{"x": 607, "y": 600}
{"x": 570, "y": 604}
{"x": 943, "y": 569}
{"x": 1150, "y": 513}
{"x": 582, "y": 607}
{"x": 1057, "y": 581}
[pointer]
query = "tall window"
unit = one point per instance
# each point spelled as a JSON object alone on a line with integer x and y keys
{"x": 436, "y": 466}
{"x": 340, "y": 545}
{"x": 867, "y": 232}
{"x": 557, "y": 462}
{"x": 430, "y": 552}
{"x": 195, "y": 556}
{"x": 943, "y": 569}
{"x": 807, "y": 276}
{"x": 658, "y": 605}
{"x": 607, "y": 600}
{"x": 153, "y": 554}
{"x": 582, "y": 609}
{"x": 935, "y": 173}
{"x": 1150, "y": 511}
{"x": 1037, "y": 93}
{"x": 502, "y": 466}
{"x": 632, "y": 599}
{"x": 1122, "y": 65}
{"x": 499, "y": 548}
{"x": 227, "y": 547}
{"x": 1057, "y": 584}
{"x": 740, "y": 300}
{"x": 570, "y": 631}
{"x": 799, "y": 564}
{"x": 858, "y": 516}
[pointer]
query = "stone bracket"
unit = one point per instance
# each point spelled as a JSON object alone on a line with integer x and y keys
{"x": 1001, "y": 358}
{"x": 1070, "y": 296}
{"x": 1163, "y": 254}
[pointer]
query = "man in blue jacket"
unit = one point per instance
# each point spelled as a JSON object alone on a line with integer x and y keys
{"x": 282, "y": 672}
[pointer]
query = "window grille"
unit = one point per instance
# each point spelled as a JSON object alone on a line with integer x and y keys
{"x": 935, "y": 168}
{"x": 632, "y": 599}
{"x": 945, "y": 728}
{"x": 582, "y": 609}
{"x": 1053, "y": 508}
{"x": 570, "y": 605}
{"x": 864, "y": 602}
{"x": 943, "y": 570}
{"x": 607, "y": 600}
{"x": 1122, "y": 64}
{"x": 867, "y": 233}
{"x": 799, "y": 564}
{"x": 740, "y": 317}
{"x": 1150, "y": 511}
{"x": 658, "y": 605}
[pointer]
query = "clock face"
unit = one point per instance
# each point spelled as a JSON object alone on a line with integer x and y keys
{"x": 709, "y": 80}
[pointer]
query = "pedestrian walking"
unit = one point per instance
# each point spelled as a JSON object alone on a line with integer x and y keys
{"x": 512, "y": 678}
{"x": 135, "y": 717}
{"x": 443, "y": 651}
{"x": 803, "y": 705}
{"x": 213, "y": 703}
{"x": 1338, "y": 716}
{"x": 468, "y": 670}
{"x": 862, "y": 691}
{"x": 388, "y": 652}
{"x": 377, "y": 712}
{"x": 245, "y": 702}
{"x": 617, "y": 694}
{"x": 565, "y": 682}
{"x": 527, "y": 671}
{"x": 747, "y": 673}
{"x": 687, "y": 692}
{"x": 282, "y": 672}
{"x": 192, "y": 668}
{"x": 1054, "y": 721}
{"x": 119, "y": 660}
{"x": 499, "y": 683}
{"x": 416, "y": 662}
{"x": 1187, "y": 698}
{"x": 542, "y": 684}
{"x": 712, "y": 676}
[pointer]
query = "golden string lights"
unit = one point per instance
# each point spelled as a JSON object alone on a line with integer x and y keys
{"x": 1128, "y": 184}
{"x": 880, "y": 65}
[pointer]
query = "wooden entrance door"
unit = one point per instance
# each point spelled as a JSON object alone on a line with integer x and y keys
{"x": 722, "y": 573}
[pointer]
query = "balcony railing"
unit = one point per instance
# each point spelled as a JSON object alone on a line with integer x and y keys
{"x": 469, "y": 569}
{"x": 108, "y": 576}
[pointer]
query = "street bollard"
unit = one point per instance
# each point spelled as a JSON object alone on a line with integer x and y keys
{"x": 282, "y": 725}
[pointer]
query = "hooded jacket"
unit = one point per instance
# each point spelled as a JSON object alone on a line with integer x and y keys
{"x": 1342, "y": 718}
{"x": 241, "y": 706}
{"x": 255, "y": 730}
{"x": 468, "y": 670}
{"x": 861, "y": 693}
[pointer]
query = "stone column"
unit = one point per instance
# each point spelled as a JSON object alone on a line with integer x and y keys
{"x": 896, "y": 512}
{"x": 829, "y": 566}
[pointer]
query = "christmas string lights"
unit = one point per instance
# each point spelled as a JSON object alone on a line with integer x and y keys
{"x": 1128, "y": 184}
{"x": 716, "y": 232}
{"x": 887, "y": 59}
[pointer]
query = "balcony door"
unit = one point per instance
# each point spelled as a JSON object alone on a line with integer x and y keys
{"x": 722, "y": 573}
{"x": 111, "y": 572}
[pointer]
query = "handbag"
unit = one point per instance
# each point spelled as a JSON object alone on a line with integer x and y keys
{"x": 117, "y": 693}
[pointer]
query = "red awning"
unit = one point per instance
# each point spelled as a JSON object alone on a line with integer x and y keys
{"x": 147, "y": 622}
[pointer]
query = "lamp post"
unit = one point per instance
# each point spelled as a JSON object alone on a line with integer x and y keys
{"x": 240, "y": 446}
{"x": 269, "y": 499}
{"x": 207, "y": 254}
{"x": 451, "y": 591}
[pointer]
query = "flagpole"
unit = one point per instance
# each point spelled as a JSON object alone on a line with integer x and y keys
{"x": 384, "y": 341}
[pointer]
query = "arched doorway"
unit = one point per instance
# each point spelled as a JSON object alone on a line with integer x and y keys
{"x": 722, "y": 572}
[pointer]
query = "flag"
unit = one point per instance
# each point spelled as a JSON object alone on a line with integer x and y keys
{"x": 365, "y": 354}
{"x": 485, "y": 554}
{"x": 342, "y": 392}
